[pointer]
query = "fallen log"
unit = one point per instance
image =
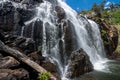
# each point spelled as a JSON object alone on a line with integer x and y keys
{"x": 18, "y": 55}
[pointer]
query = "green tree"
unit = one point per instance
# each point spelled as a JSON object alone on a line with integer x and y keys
{"x": 96, "y": 9}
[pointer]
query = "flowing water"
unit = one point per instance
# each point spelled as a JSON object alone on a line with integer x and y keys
{"x": 87, "y": 37}
{"x": 112, "y": 74}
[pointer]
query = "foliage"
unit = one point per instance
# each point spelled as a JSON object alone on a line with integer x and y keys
{"x": 106, "y": 43}
{"x": 110, "y": 15}
{"x": 103, "y": 32}
{"x": 116, "y": 16}
{"x": 44, "y": 76}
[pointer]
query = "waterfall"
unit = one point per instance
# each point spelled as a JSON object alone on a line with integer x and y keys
{"x": 92, "y": 44}
{"x": 87, "y": 35}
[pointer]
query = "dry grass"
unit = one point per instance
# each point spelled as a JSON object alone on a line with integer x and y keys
{"x": 118, "y": 26}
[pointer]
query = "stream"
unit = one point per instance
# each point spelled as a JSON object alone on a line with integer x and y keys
{"x": 111, "y": 72}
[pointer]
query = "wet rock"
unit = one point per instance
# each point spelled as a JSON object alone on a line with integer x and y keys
{"x": 27, "y": 45}
{"x": 8, "y": 62}
{"x": 115, "y": 55}
{"x": 79, "y": 64}
{"x": 18, "y": 74}
{"x": 31, "y": 3}
{"x": 38, "y": 34}
{"x": 6, "y": 8}
{"x": 51, "y": 68}
{"x": 37, "y": 57}
{"x": 60, "y": 12}
{"x": 25, "y": 15}
{"x": 7, "y": 16}
{"x": 39, "y": 1}
{"x": 9, "y": 38}
{"x": 70, "y": 38}
{"x": 17, "y": 1}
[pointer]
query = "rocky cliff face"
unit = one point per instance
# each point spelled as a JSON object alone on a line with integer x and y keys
{"x": 109, "y": 35}
{"x": 14, "y": 15}
{"x": 20, "y": 31}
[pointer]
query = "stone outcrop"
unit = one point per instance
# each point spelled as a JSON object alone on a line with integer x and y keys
{"x": 17, "y": 74}
{"x": 79, "y": 64}
{"x": 109, "y": 35}
{"x": 60, "y": 13}
{"x": 51, "y": 68}
{"x": 8, "y": 62}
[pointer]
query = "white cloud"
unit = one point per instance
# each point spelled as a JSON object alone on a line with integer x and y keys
{"x": 108, "y": 3}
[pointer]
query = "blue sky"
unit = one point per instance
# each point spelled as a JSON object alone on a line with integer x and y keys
{"x": 85, "y": 4}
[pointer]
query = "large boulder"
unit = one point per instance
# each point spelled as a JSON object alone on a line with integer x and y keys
{"x": 70, "y": 38}
{"x": 79, "y": 64}
{"x": 60, "y": 13}
{"x": 51, "y": 68}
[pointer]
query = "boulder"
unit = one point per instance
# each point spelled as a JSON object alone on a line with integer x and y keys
{"x": 60, "y": 13}
{"x": 51, "y": 68}
{"x": 8, "y": 62}
{"x": 27, "y": 45}
{"x": 37, "y": 57}
{"x": 38, "y": 33}
{"x": 79, "y": 64}
{"x": 18, "y": 74}
{"x": 70, "y": 38}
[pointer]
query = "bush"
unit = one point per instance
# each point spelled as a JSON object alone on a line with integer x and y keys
{"x": 44, "y": 76}
{"x": 103, "y": 32}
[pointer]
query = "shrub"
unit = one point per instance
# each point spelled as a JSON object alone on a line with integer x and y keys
{"x": 103, "y": 32}
{"x": 44, "y": 76}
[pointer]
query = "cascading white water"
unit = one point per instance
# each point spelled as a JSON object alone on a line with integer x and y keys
{"x": 91, "y": 44}
{"x": 88, "y": 39}
{"x": 48, "y": 16}
{"x": 87, "y": 35}
{"x": 98, "y": 45}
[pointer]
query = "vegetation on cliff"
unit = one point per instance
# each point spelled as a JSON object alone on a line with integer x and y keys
{"x": 111, "y": 14}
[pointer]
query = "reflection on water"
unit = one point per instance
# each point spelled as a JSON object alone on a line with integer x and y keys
{"x": 112, "y": 74}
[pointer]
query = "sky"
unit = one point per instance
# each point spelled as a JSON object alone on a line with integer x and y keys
{"x": 85, "y": 4}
